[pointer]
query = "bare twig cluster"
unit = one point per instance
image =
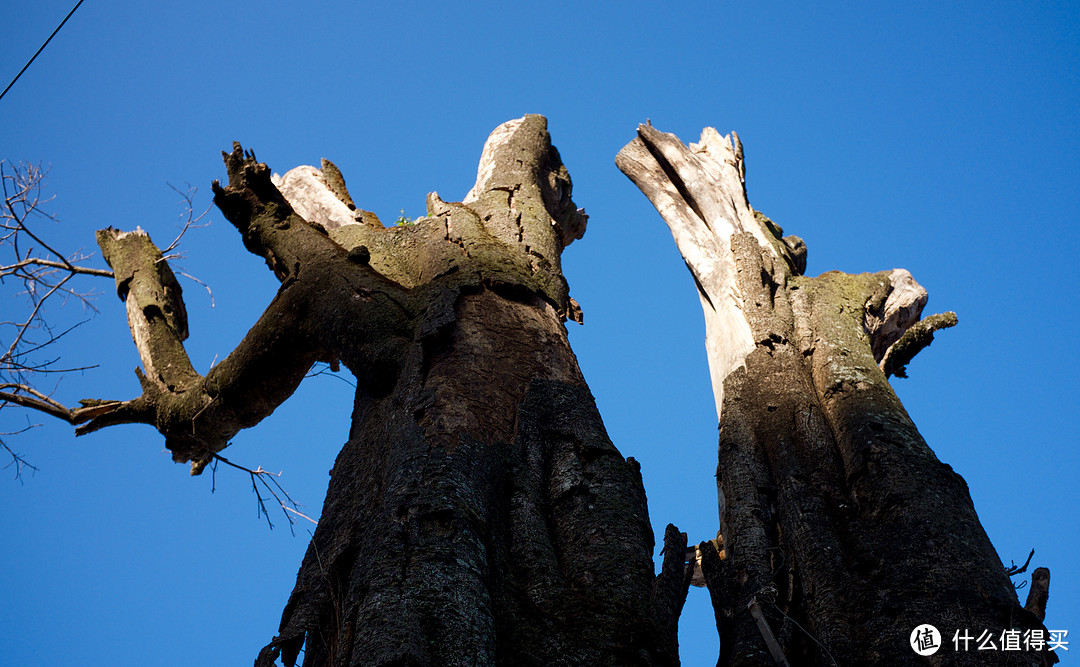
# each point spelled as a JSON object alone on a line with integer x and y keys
{"x": 17, "y": 461}
{"x": 188, "y": 220}
{"x": 265, "y": 481}
{"x": 39, "y": 273}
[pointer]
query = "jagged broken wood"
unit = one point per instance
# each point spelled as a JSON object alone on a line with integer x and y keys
{"x": 827, "y": 493}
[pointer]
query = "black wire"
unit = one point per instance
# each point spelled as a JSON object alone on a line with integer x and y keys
{"x": 41, "y": 49}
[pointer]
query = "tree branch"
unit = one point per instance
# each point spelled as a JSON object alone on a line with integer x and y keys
{"x": 16, "y": 459}
{"x": 327, "y": 308}
{"x": 699, "y": 192}
{"x": 1013, "y": 570}
{"x": 270, "y": 483}
{"x": 12, "y": 269}
{"x": 190, "y": 219}
{"x": 670, "y": 588}
{"x": 43, "y": 274}
{"x": 199, "y": 415}
{"x": 919, "y": 336}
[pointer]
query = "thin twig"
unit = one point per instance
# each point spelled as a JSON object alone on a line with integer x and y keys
{"x": 189, "y": 211}
{"x": 767, "y": 595}
{"x": 33, "y": 316}
{"x": 300, "y": 514}
{"x": 16, "y": 459}
{"x": 1012, "y": 570}
{"x": 66, "y": 266}
{"x": 328, "y": 370}
{"x": 205, "y": 286}
{"x": 270, "y": 483}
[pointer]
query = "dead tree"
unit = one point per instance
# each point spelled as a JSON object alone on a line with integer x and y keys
{"x": 841, "y": 530}
{"x": 478, "y": 514}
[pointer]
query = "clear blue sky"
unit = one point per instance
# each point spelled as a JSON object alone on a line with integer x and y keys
{"x": 937, "y": 137}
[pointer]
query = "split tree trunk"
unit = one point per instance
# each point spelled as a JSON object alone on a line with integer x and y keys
{"x": 834, "y": 512}
{"x": 478, "y": 514}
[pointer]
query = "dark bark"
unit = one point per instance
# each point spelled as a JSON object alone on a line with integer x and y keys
{"x": 478, "y": 514}
{"x": 835, "y": 514}
{"x": 1039, "y": 593}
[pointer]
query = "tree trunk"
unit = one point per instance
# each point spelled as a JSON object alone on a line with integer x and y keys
{"x": 478, "y": 514}
{"x": 838, "y": 522}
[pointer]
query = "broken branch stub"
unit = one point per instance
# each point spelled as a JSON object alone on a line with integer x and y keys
{"x": 699, "y": 192}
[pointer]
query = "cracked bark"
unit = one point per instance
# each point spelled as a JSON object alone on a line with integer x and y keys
{"x": 833, "y": 509}
{"x": 478, "y": 514}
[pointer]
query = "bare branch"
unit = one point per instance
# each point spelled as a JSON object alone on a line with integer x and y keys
{"x": 205, "y": 286}
{"x": 913, "y": 341}
{"x": 30, "y": 320}
{"x": 269, "y": 482}
{"x": 17, "y": 460}
{"x": 28, "y": 397}
{"x": 27, "y": 258}
{"x": 1013, "y": 570}
{"x": 188, "y": 216}
{"x": 39, "y": 272}
{"x": 67, "y": 266}
{"x": 331, "y": 369}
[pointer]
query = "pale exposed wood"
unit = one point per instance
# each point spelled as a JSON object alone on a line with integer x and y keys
{"x": 500, "y": 136}
{"x": 698, "y": 191}
{"x": 696, "y": 554}
{"x": 886, "y": 322}
{"x": 824, "y": 481}
{"x": 307, "y": 191}
{"x": 502, "y": 171}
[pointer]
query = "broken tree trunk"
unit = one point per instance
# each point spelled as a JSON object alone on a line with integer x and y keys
{"x": 838, "y": 522}
{"x": 478, "y": 514}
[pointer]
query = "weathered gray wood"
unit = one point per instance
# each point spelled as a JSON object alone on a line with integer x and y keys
{"x": 699, "y": 193}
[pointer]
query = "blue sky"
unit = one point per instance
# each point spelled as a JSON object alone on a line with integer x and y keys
{"x": 937, "y": 137}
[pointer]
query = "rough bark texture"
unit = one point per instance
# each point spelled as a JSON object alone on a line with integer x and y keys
{"x": 834, "y": 512}
{"x": 478, "y": 514}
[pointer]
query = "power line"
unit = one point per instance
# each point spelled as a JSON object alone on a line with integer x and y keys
{"x": 41, "y": 49}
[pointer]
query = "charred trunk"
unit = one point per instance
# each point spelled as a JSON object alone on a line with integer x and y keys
{"x": 478, "y": 514}
{"x": 840, "y": 526}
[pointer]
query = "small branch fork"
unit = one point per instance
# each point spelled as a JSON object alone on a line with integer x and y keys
{"x": 269, "y": 482}
{"x": 188, "y": 221}
{"x": 1013, "y": 570}
{"x": 17, "y": 460}
{"x": 188, "y": 218}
